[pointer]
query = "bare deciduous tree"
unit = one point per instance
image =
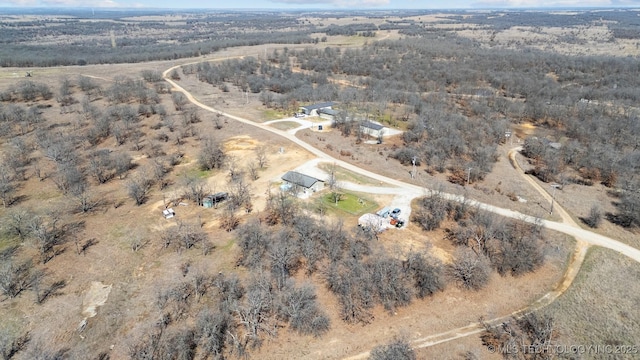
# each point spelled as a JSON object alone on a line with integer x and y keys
{"x": 253, "y": 171}
{"x": 284, "y": 255}
{"x": 281, "y": 207}
{"x": 179, "y": 100}
{"x": 256, "y": 313}
{"x": 253, "y": 240}
{"x": 299, "y": 306}
{"x": 427, "y": 273}
{"x": 16, "y": 223}
{"x": 211, "y": 155}
{"x": 195, "y": 188}
{"x": 15, "y": 277}
{"x": 334, "y": 184}
{"x": 432, "y": 211}
{"x": 261, "y": 156}
{"x": 212, "y": 328}
{"x": 7, "y": 187}
{"x": 11, "y": 343}
{"x": 138, "y": 187}
{"x": 469, "y": 269}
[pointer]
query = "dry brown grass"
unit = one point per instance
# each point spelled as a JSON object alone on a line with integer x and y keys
{"x": 601, "y": 307}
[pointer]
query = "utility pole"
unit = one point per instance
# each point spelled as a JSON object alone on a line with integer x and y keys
{"x": 469, "y": 175}
{"x": 413, "y": 171}
{"x": 553, "y": 196}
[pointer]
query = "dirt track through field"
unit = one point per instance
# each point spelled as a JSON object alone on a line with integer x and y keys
{"x": 584, "y": 238}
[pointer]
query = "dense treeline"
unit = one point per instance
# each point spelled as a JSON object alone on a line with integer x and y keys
{"x": 500, "y": 20}
{"x": 202, "y": 33}
{"x": 136, "y": 51}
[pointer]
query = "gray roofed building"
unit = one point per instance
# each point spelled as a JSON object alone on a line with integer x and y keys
{"x": 373, "y": 129}
{"x": 314, "y": 108}
{"x": 319, "y": 106}
{"x": 302, "y": 180}
{"x": 371, "y": 125}
{"x": 328, "y": 111}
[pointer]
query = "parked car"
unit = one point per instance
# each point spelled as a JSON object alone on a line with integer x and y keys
{"x": 384, "y": 212}
{"x": 395, "y": 212}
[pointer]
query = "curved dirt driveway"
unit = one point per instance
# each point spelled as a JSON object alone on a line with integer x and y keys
{"x": 583, "y": 237}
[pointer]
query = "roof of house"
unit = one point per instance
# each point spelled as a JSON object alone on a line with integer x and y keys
{"x": 300, "y": 179}
{"x": 371, "y": 125}
{"x": 319, "y": 106}
{"x": 328, "y": 111}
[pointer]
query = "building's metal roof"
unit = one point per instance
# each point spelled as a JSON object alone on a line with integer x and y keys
{"x": 318, "y": 106}
{"x": 371, "y": 125}
{"x": 300, "y": 179}
{"x": 328, "y": 111}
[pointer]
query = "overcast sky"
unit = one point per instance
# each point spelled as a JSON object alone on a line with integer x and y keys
{"x": 321, "y": 4}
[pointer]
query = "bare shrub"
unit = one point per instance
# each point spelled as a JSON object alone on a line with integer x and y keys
{"x": 470, "y": 270}
{"x": 398, "y": 349}
{"x": 351, "y": 282}
{"x": 531, "y": 331}
{"x": 594, "y": 218}
{"x": 183, "y": 236}
{"x": 432, "y": 211}
{"x": 390, "y": 282}
{"x": 427, "y": 273}
{"x": 253, "y": 240}
{"x": 299, "y": 306}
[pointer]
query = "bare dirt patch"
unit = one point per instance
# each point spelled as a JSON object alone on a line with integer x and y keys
{"x": 95, "y": 297}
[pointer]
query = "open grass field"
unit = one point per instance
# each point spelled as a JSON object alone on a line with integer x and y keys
{"x": 601, "y": 306}
{"x": 351, "y": 203}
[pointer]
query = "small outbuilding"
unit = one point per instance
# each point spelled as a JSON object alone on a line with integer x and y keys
{"x": 213, "y": 200}
{"x": 168, "y": 213}
{"x": 307, "y": 183}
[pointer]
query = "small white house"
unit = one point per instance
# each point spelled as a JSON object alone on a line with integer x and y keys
{"x": 305, "y": 182}
{"x": 372, "y": 129}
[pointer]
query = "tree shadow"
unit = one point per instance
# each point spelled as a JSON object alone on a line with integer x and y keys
{"x": 619, "y": 219}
